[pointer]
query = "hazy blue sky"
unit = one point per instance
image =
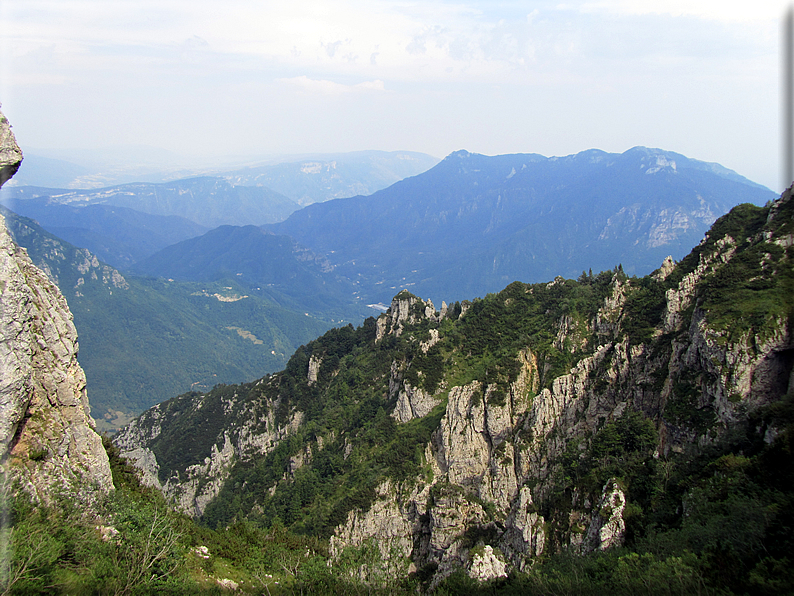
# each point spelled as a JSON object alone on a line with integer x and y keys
{"x": 213, "y": 79}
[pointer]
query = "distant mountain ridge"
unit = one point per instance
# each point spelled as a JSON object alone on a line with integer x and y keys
{"x": 126, "y": 223}
{"x": 322, "y": 177}
{"x": 207, "y": 201}
{"x": 274, "y": 266}
{"x": 119, "y": 236}
{"x": 305, "y": 178}
{"x": 473, "y": 223}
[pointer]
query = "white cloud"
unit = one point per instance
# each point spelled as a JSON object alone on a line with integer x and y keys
{"x": 325, "y": 87}
{"x": 713, "y": 10}
{"x": 530, "y": 70}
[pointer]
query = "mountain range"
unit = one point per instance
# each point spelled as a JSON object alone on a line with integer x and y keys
{"x": 474, "y": 223}
{"x": 206, "y": 201}
{"x": 126, "y": 223}
{"x": 305, "y": 178}
{"x": 610, "y": 434}
{"x": 465, "y": 227}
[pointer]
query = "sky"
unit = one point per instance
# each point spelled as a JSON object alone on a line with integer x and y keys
{"x": 215, "y": 81}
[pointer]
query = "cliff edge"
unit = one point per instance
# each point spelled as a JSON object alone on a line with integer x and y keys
{"x": 48, "y": 440}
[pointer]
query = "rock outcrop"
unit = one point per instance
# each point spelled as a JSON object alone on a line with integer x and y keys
{"x": 193, "y": 477}
{"x": 10, "y": 153}
{"x": 407, "y": 309}
{"x": 48, "y": 442}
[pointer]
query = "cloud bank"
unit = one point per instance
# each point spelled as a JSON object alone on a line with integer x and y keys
{"x": 549, "y": 77}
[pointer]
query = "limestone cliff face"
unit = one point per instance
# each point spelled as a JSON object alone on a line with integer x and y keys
{"x": 406, "y": 309}
{"x": 48, "y": 441}
{"x": 234, "y": 427}
{"x": 504, "y": 455}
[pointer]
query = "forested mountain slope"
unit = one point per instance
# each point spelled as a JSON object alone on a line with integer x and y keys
{"x": 568, "y": 416}
{"x": 143, "y": 340}
{"x": 271, "y": 265}
{"x": 473, "y": 223}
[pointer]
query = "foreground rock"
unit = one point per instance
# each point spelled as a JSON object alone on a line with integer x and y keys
{"x": 48, "y": 442}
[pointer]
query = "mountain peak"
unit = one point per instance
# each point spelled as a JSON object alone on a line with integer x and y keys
{"x": 460, "y": 154}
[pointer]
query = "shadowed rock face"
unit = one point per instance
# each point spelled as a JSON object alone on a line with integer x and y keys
{"x": 10, "y": 153}
{"x": 48, "y": 441}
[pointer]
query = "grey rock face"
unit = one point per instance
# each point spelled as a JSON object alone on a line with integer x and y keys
{"x": 48, "y": 441}
{"x": 314, "y": 369}
{"x": 406, "y": 309}
{"x": 248, "y": 432}
{"x": 10, "y": 153}
{"x": 412, "y": 402}
{"x": 607, "y": 525}
{"x": 486, "y": 565}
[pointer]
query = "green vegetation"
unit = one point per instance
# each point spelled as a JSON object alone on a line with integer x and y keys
{"x": 644, "y": 309}
{"x": 752, "y": 291}
{"x": 715, "y": 521}
{"x": 134, "y": 543}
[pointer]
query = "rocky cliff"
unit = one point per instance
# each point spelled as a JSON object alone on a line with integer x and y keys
{"x": 488, "y": 433}
{"x": 48, "y": 443}
{"x": 10, "y": 153}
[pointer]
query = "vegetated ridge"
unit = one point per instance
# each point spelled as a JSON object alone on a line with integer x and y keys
{"x": 649, "y": 417}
